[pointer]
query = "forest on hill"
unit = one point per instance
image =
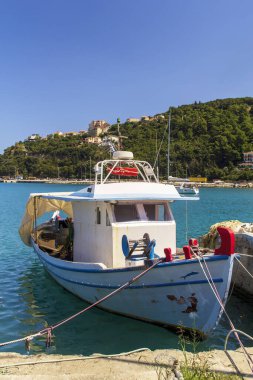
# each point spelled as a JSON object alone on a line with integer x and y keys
{"x": 207, "y": 140}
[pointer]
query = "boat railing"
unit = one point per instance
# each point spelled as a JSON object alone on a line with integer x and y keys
{"x": 104, "y": 170}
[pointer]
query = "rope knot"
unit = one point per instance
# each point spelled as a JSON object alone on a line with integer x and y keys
{"x": 28, "y": 344}
{"x": 49, "y": 337}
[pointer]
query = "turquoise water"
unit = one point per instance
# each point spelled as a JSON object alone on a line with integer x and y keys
{"x": 30, "y": 300}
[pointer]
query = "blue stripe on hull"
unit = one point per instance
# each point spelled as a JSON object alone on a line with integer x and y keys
{"x": 168, "y": 284}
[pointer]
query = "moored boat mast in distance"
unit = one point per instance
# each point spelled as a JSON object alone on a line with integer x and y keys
{"x": 169, "y": 121}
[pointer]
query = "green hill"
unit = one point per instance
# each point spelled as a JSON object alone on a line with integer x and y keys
{"x": 207, "y": 139}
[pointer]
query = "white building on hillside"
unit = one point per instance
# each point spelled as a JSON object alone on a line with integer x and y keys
{"x": 97, "y": 127}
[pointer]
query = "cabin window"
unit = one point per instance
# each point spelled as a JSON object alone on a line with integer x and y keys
{"x": 150, "y": 211}
{"x": 125, "y": 213}
{"x": 157, "y": 212}
{"x": 98, "y": 215}
{"x": 108, "y": 222}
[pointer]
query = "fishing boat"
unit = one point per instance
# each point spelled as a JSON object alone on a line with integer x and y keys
{"x": 110, "y": 232}
{"x": 187, "y": 189}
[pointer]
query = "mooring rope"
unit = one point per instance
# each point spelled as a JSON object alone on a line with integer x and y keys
{"x": 244, "y": 267}
{"x": 48, "y": 331}
{"x": 238, "y": 331}
{"x": 247, "y": 355}
{"x": 75, "y": 358}
{"x": 244, "y": 254}
{"x": 235, "y": 331}
{"x": 26, "y": 338}
{"x": 216, "y": 293}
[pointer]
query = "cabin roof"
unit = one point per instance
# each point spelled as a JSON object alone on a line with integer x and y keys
{"x": 125, "y": 191}
{"x": 121, "y": 191}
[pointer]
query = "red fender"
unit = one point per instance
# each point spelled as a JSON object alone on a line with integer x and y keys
{"x": 227, "y": 246}
{"x": 193, "y": 242}
{"x": 187, "y": 252}
{"x": 168, "y": 255}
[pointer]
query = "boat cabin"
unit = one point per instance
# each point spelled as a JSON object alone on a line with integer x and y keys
{"x": 100, "y": 226}
{"x": 113, "y": 222}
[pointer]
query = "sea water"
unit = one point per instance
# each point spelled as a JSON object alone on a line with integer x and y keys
{"x": 31, "y": 300}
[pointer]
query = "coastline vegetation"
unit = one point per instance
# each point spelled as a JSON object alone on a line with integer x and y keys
{"x": 207, "y": 140}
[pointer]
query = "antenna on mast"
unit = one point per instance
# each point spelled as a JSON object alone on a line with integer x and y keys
{"x": 169, "y": 143}
{"x": 119, "y": 135}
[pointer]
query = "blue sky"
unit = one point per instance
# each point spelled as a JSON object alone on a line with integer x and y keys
{"x": 64, "y": 63}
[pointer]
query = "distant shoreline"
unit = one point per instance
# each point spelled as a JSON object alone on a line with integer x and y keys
{"x": 57, "y": 181}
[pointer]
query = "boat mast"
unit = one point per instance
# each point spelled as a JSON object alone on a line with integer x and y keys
{"x": 156, "y": 151}
{"x": 119, "y": 134}
{"x": 169, "y": 144}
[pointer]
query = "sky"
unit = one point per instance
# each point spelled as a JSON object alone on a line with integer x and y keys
{"x": 64, "y": 63}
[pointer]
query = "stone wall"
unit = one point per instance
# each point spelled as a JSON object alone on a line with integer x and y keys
{"x": 242, "y": 280}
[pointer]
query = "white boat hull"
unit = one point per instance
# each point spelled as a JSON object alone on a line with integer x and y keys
{"x": 188, "y": 190}
{"x": 172, "y": 294}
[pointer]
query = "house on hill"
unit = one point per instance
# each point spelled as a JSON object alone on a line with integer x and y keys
{"x": 93, "y": 140}
{"x": 132, "y": 120}
{"x": 247, "y": 160}
{"x": 97, "y": 127}
{"x": 33, "y": 137}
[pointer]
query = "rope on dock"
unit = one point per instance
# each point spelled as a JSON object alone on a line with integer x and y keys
{"x": 48, "y": 331}
{"x": 235, "y": 331}
{"x": 75, "y": 358}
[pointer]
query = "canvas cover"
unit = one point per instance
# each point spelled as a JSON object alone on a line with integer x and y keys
{"x": 43, "y": 205}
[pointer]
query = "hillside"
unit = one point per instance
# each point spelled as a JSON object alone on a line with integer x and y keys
{"x": 207, "y": 139}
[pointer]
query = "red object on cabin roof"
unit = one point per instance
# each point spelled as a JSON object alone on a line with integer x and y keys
{"x": 123, "y": 171}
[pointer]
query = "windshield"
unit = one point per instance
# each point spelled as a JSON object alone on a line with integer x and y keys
{"x": 155, "y": 212}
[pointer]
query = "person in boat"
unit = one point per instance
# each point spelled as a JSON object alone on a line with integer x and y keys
{"x": 55, "y": 216}
{"x": 55, "y": 219}
{"x": 68, "y": 246}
